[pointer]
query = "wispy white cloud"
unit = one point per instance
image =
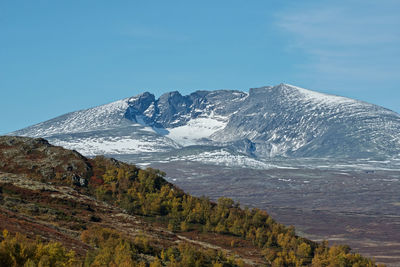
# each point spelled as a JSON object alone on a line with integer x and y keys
{"x": 349, "y": 40}
{"x": 341, "y": 26}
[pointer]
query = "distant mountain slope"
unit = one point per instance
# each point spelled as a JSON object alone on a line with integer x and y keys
{"x": 291, "y": 121}
{"x": 282, "y": 120}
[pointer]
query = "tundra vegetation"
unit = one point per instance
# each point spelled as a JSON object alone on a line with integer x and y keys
{"x": 145, "y": 193}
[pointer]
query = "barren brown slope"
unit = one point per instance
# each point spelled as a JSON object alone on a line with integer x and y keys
{"x": 39, "y": 196}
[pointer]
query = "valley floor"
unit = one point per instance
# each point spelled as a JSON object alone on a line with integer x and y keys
{"x": 356, "y": 207}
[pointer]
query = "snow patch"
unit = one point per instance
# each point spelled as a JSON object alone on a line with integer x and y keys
{"x": 194, "y": 130}
{"x": 99, "y": 146}
{"x": 322, "y": 98}
{"x": 225, "y": 158}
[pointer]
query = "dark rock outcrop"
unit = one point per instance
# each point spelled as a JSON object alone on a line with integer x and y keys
{"x": 38, "y": 159}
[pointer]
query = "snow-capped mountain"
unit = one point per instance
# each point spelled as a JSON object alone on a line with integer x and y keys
{"x": 282, "y": 120}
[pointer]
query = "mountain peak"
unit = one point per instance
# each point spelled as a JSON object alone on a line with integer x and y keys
{"x": 172, "y": 94}
{"x": 141, "y": 97}
{"x": 299, "y": 94}
{"x": 283, "y": 120}
{"x": 286, "y": 88}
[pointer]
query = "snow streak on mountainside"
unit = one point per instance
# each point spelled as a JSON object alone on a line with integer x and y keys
{"x": 291, "y": 121}
{"x": 282, "y": 120}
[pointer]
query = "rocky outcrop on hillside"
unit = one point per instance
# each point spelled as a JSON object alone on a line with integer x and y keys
{"x": 41, "y": 160}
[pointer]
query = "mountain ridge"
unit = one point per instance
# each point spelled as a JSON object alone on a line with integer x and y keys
{"x": 269, "y": 121}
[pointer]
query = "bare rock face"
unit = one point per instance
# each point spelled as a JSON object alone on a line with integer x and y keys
{"x": 41, "y": 160}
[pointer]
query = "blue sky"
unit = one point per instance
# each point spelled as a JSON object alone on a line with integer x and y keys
{"x": 61, "y": 56}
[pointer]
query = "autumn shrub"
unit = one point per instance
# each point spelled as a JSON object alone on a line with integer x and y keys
{"x": 17, "y": 250}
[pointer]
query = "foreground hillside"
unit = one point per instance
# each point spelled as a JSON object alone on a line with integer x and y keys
{"x": 60, "y": 208}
